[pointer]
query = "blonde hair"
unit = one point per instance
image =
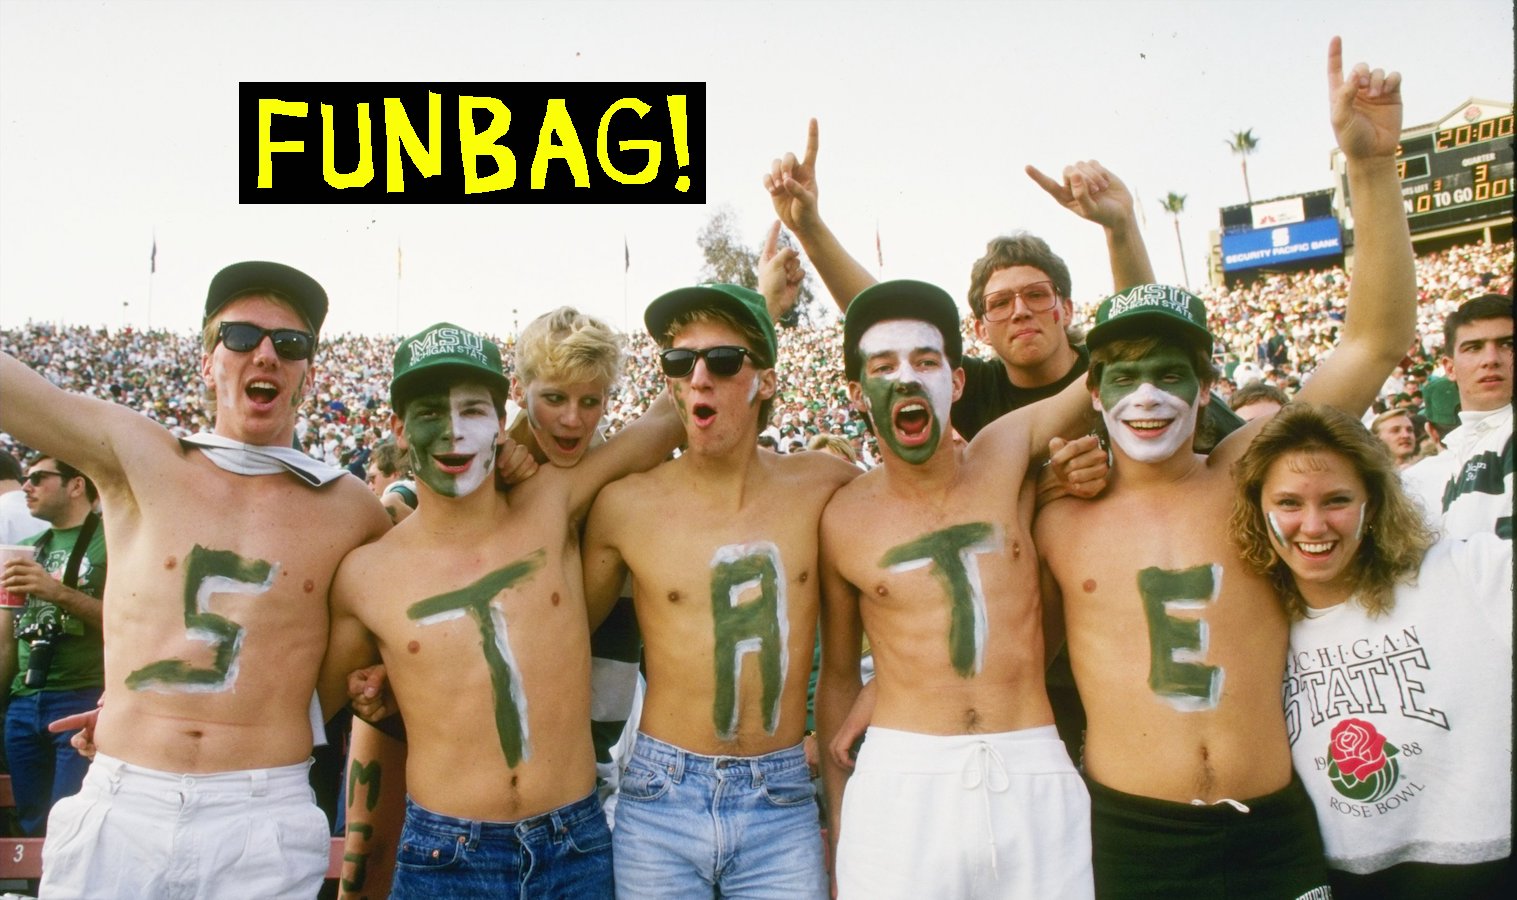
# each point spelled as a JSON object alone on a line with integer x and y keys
{"x": 834, "y": 444}
{"x": 1396, "y": 537}
{"x": 567, "y": 345}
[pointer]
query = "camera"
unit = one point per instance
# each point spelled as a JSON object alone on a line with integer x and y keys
{"x": 41, "y": 635}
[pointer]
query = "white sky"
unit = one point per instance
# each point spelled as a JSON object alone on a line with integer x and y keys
{"x": 118, "y": 120}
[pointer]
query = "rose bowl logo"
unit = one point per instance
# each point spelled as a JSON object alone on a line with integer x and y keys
{"x": 1363, "y": 766}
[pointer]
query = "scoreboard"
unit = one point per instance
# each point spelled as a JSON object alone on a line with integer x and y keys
{"x": 1462, "y": 173}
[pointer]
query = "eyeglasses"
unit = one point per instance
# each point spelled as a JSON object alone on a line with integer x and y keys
{"x": 1040, "y": 296}
{"x": 35, "y": 478}
{"x": 288, "y": 342}
{"x": 720, "y": 361}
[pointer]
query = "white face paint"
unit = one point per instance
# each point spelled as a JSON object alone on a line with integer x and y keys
{"x": 453, "y": 439}
{"x": 1150, "y": 424}
{"x": 904, "y": 366}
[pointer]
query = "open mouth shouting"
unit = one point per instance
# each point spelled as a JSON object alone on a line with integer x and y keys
{"x": 262, "y": 392}
{"x": 702, "y": 415}
{"x": 912, "y": 422}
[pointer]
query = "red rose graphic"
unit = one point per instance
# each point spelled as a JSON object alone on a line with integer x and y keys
{"x": 1357, "y": 748}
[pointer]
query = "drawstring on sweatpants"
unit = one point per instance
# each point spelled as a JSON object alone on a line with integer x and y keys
{"x": 987, "y": 770}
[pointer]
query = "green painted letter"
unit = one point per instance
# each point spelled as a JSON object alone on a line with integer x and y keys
{"x": 1177, "y": 646}
{"x": 951, "y": 553}
{"x": 505, "y": 678}
{"x": 758, "y": 626}
{"x": 207, "y": 572}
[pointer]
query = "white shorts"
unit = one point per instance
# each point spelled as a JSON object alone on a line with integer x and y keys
{"x": 136, "y": 832}
{"x": 971, "y": 816}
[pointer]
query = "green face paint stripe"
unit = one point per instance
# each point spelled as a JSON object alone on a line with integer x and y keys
{"x": 505, "y": 677}
{"x": 1177, "y": 646}
{"x": 760, "y": 626}
{"x": 206, "y": 573}
{"x": 368, "y": 777}
{"x": 951, "y": 555}
{"x": 1150, "y": 370}
{"x": 880, "y": 392}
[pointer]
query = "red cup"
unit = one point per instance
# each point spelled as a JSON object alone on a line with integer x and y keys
{"x": 9, "y": 552}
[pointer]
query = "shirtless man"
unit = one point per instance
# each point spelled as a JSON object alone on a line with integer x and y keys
{"x": 1178, "y": 650}
{"x": 963, "y": 787}
{"x": 476, "y": 607}
{"x": 222, "y": 550}
{"x": 566, "y": 365}
{"x": 722, "y": 547}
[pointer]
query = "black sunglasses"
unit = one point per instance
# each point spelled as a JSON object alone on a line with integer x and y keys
{"x": 721, "y": 361}
{"x": 35, "y": 478}
{"x": 288, "y": 343}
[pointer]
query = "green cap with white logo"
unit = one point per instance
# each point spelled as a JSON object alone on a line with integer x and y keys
{"x": 444, "y": 352}
{"x": 1149, "y": 309}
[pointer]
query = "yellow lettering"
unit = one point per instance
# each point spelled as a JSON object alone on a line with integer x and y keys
{"x": 556, "y": 122}
{"x": 472, "y": 145}
{"x": 426, "y": 157}
{"x": 652, "y": 148}
{"x": 361, "y": 175}
{"x": 267, "y": 110}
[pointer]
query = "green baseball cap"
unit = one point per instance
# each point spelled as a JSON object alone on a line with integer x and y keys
{"x": 1147, "y": 308}
{"x": 1440, "y": 403}
{"x": 444, "y": 351}
{"x": 900, "y": 299}
{"x": 739, "y": 301}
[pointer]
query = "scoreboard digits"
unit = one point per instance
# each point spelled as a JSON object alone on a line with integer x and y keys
{"x": 1458, "y": 174}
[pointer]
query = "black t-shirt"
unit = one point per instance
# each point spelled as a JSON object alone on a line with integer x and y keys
{"x": 989, "y": 394}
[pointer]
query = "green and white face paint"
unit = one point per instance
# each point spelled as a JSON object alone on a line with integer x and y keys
{"x": 452, "y": 438}
{"x": 907, "y": 386}
{"x": 1150, "y": 405}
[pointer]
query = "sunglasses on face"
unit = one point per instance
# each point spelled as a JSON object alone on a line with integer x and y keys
{"x": 35, "y": 478}
{"x": 289, "y": 343}
{"x": 720, "y": 361}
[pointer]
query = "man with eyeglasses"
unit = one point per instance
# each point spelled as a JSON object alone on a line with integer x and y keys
{"x": 60, "y": 658}
{"x": 224, "y": 547}
{"x": 721, "y": 544}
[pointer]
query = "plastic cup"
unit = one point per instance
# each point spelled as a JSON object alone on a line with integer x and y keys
{"x": 9, "y": 552}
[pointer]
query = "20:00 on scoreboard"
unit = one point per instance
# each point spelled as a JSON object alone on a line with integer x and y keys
{"x": 1457, "y": 175}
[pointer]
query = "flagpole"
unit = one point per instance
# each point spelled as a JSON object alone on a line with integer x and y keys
{"x": 398, "y": 268}
{"x": 626, "y": 269}
{"x": 152, "y": 272}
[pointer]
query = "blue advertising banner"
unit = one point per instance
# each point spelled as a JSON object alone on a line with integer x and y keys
{"x": 1281, "y": 244}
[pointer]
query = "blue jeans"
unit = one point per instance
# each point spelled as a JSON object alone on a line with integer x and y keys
{"x": 563, "y": 853}
{"x": 44, "y": 767}
{"x": 726, "y": 826}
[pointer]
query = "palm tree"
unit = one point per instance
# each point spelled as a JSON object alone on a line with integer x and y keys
{"x": 1174, "y": 204}
{"x": 1244, "y": 143}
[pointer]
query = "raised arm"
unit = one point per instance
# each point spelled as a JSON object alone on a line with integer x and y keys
{"x": 791, "y": 184}
{"x": 637, "y": 448}
{"x": 100, "y": 439}
{"x": 1382, "y": 313}
{"x": 779, "y": 275}
{"x": 1091, "y": 191}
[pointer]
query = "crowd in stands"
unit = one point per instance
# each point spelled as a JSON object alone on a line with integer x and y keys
{"x": 1274, "y": 328}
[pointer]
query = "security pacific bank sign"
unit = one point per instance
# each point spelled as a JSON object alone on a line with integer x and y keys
{"x": 1281, "y": 244}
